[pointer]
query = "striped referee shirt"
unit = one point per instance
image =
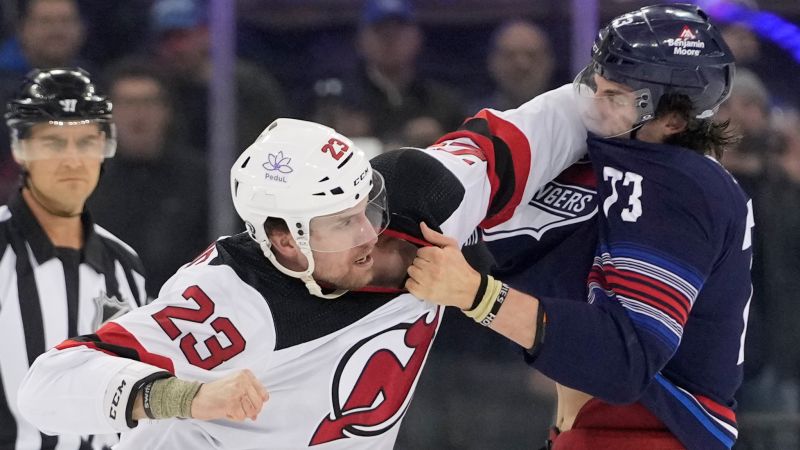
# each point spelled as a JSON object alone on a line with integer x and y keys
{"x": 48, "y": 294}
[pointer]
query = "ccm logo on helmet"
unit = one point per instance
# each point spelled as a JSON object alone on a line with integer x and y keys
{"x": 360, "y": 178}
{"x": 374, "y": 381}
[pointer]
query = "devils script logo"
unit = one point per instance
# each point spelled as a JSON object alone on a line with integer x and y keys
{"x": 374, "y": 380}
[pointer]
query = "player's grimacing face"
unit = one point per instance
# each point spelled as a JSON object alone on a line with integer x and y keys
{"x": 615, "y": 102}
{"x": 351, "y": 230}
{"x": 607, "y": 108}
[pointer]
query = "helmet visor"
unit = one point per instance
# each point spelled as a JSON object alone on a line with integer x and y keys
{"x": 87, "y": 139}
{"x": 610, "y": 109}
{"x": 354, "y": 226}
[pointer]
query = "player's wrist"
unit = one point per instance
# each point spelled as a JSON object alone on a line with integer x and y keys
{"x": 169, "y": 397}
{"x": 480, "y": 291}
{"x": 486, "y": 308}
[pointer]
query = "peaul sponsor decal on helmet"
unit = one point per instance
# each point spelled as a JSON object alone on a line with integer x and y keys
{"x": 277, "y": 163}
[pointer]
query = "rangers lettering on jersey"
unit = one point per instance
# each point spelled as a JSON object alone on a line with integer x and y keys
{"x": 563, "y": 199}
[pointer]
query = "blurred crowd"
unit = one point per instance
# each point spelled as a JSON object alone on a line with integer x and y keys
{"x": 153, "y": 194}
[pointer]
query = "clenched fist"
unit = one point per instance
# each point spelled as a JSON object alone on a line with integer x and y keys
{"x": 236, "y": 397}
{"x": 440, "y": 274}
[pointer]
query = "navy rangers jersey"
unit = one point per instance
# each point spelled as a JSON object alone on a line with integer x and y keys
{"x": 662, "y": 234}
{"x": 670, "y": 288}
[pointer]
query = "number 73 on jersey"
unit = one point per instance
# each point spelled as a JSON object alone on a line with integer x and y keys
{"x": 633, "y": 210}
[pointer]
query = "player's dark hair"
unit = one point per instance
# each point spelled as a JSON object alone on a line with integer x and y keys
{"x": 701, "y": 135}
{"x": 275, "y": 225}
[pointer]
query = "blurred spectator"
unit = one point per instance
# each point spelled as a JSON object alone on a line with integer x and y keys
{"x": 773, "y": 65}
{"x": 782, "y": 261}
{"x": 50, "y": 34}
{"x": 748, "y": 110}
{"x": 337, "y": 107}
{"x": 768, "y": 387}
{"x": 521, "y": 64}
{"x": 406, "y": 107}
{"x": 183, "y": 48}
{"x": 159, "y": 182}
{"x": 743, "y": 42}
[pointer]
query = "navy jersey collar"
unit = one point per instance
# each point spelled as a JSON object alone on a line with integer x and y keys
{"x": 41, "y": 245}
{"x": 595, "y": 141}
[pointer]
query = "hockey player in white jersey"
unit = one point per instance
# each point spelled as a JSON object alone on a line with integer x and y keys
{"x": 232, "y": 338}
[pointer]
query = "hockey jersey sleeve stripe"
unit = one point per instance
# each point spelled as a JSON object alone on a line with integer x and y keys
{"x": 649, "y": 290}
{"x": 115, "y": 340}
{"x": 653, "y": 257}
{"x": 89, "y": 341}
{"x": 654, "y": 321}
{"x": 640, "y": 287}
{"x": 717, "y": 409}
{"x": 722, "y": 431}
{"x": 663, "y": 311}
{"x": 652, "y": 326}
{"x": 653, "y": 272}
{"x": 678, "y": 293}
{"x": 508, "y": 155}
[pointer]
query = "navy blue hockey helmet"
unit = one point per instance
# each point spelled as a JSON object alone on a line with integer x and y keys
{"x": 667, "y": 49}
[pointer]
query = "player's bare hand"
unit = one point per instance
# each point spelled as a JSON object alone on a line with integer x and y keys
{"x": 236, "y": 397}
{"x": 440, "y": 274}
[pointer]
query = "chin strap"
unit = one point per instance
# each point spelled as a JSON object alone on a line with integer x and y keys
{"x": 635, "y": 131}
{"x": 305, "y": 276}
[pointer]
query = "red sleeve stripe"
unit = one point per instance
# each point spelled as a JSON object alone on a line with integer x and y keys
{"x": 520, "y": 156}
{"x": 596, "y": 275}
{"x": 487, "y": 146}
{"x": 651, "y": 292}
{"x": 717, "y": 409}
{"x": 70, "y": 343}
{"x": 508, "y": 155}
{"x": 663, "y": 287}
{"x": 114, "y": 334}
{"x": 638, "y": 296}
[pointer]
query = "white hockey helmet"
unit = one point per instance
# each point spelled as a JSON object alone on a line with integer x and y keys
{"x": 305, "y": 173}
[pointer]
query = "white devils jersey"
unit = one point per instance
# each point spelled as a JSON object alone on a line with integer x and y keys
{"x": 341, "y": 372}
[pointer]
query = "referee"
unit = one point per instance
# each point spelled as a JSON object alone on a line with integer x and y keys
{"x": 60, "y": 274}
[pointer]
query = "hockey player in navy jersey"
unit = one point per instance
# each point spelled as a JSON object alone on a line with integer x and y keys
{"x": 648, "y": 353}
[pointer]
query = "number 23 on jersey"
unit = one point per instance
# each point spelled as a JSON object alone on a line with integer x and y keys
{"x": 218, "y": 353}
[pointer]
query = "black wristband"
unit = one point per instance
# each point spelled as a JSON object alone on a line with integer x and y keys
{"x": 538, "y": 338}
{"x": 481, "y": 292}
{"x": 501, "y": 298}
{"x": 146, "y": 399}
